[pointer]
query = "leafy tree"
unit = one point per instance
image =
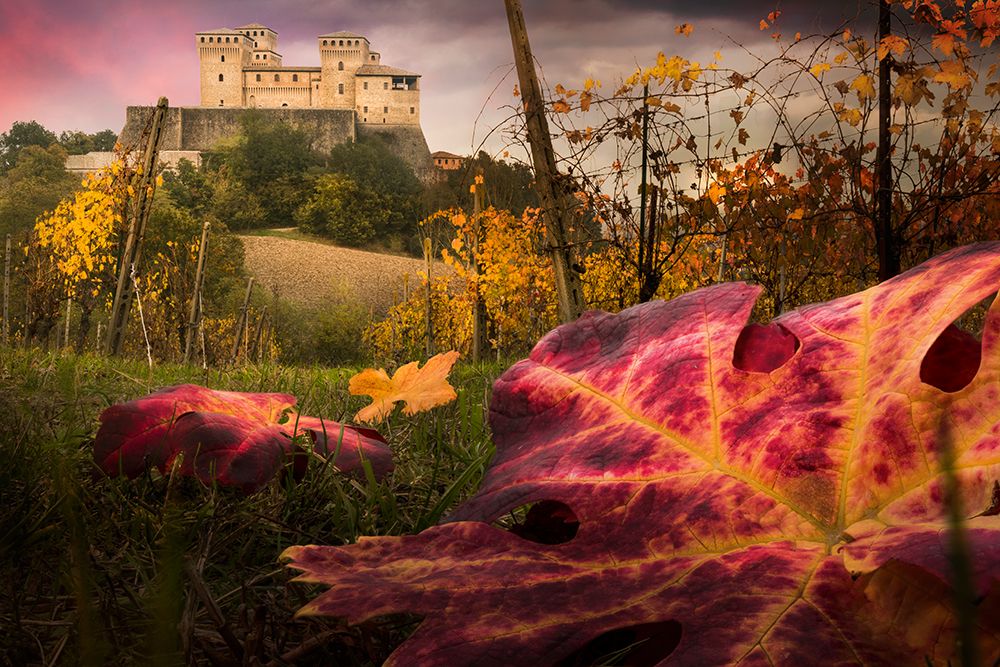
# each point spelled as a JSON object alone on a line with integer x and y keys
{"x": 76, "y": 143}
{"x": 21, "y": 135}
{"x": 105, "y": 140}
{"x": 510, "y": 186}
{"x": 189, "y": 188}
{"x": 380, "y": 174}
{"x": 34, "y": 185}
{"x": 343, "y": 210}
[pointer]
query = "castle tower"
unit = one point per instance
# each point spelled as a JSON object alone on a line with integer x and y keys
{"x": 340, "y": 56}
{"x": 265, "y": 45}
{"x": 223, "y": 54}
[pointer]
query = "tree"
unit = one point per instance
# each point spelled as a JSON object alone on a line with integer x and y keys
{"x": 510, "y": 186}
{"x": 21, "y": 135}
{"x": 105, "y": 140}
{"x": 34, "y": 185}
{"x": 381, "y": 174}
{"x": 343, "y": 210}
{"x": 76, "y": 143}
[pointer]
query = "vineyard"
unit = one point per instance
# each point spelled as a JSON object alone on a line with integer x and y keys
{"x": 711, "y": 377}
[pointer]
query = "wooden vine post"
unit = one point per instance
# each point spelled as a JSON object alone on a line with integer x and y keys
{"x": 5, "y": 332}
{"x": 194, "y": 318}
{"x": 145, "y": 187}
{"x": 429, "y": 258}
{"x": 557, "y": 212}
{"x": 479, "y": 342}
{"x": 242, "y": 323}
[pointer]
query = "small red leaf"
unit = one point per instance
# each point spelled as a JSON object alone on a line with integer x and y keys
{"x": 232, "y": 438}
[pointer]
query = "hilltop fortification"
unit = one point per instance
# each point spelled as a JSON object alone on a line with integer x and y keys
{"x": 350, "y": 95}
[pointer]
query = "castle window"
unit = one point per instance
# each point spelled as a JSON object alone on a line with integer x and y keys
{"x": 385, "y": 86}
{"x": 227, "y": 40}
{"x": 258, "y": 77}
{"x": 220, "y": 77}
{"x": 413, "y": 110}
{"x": 295, "y": 77}
{"x": 211, "y": 39}
{"x": 341, "y": 42}
{"x": 222, "y": 103}
{"x": 366, "y": 85}
{"x": 254, "y": 33}
{"x": 340, "y": 88}
{"x": 357, "y": 43}
{"x": 340, "y": 66}
{"x": 324, "y": 42}
{"x": 277, "y": 77}
{"x": 373, "y": 58}
{"x": 385, "y": 109}
{"x": 223, "y": 58}
{"x": 366, "y": 109}
{"x": 202, "y": 40}
{"x": 265, "y": 56}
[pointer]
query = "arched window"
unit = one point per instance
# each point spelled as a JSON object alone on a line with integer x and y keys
{"x": 254, "y": 33}
{"x": 220, "y": 77}
{"x": 284, "y": 104}
{"x": 265, "y": 56}
{"x": 340, "y": 65}
{"x": 357, "y": 43}
{"x": 223, "y": 58}
{"x": 211, "y": 39}
{"x": 341, "y": 42}
{"x": 340, "y": 88}
{"x": 295, "y": 77}
{"x": 202, "y": 40}
{"x": 222, "y": 103}
{"x": 227, "y": 40}
{"x": 256, "y": 56}
{"x": 324, "y": 42}
{"x": 258, "y": 77}
{"x": 277, "y": 77}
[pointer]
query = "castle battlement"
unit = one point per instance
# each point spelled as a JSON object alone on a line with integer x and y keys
{"x": 242, "y": 68}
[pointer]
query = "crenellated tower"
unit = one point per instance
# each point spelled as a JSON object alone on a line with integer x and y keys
{"x": 224, "y": 54}
{"x": 340, "y": 56}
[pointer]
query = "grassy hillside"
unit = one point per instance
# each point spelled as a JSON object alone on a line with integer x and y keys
{"x": 102, "y": 571}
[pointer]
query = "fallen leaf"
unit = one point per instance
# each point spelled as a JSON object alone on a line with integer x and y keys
{"x": 231, "y": 438}
{"x": 419, "y": 388}
{"x": 767, "y": 498}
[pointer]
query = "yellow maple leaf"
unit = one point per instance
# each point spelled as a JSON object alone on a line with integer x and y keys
{"x": 954, "y": 73}
{"x": 817, "y": 69}
{"x": 419, "y": 388}
{"x": 716, "y": 192}
{"x": 864, "y": 87}
{"x": 892, "y": 44}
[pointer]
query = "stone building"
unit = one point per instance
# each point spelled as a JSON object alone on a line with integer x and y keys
{"x": 447, "y": 161}
{"x": 242, "y": 68}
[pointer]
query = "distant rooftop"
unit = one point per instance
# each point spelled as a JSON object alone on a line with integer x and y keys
{"x": 446, "y": 154}
{"x": 383, "y": 70}
{"x": 344, "y": 33}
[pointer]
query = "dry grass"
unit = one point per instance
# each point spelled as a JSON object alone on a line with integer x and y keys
{"x": 311, "y": 274}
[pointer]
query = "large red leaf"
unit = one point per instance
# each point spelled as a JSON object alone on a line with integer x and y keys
{"x": 769, "y": 497}
{"x": 234, "y": 438}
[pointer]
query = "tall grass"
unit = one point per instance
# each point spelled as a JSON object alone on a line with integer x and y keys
{"x": 164, "y": 570}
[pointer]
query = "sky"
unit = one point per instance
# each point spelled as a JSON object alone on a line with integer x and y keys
{"x": 76, "y": 64}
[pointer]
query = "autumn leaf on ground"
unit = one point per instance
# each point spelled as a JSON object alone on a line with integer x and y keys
{"x": 761, "y": 495}
{"x": 419, "y": 388}
{"x": 232, "y": 438}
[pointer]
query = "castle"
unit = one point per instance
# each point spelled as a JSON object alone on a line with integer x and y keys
{"x": 242, "y": 68}
{"x": 350, "y": 96}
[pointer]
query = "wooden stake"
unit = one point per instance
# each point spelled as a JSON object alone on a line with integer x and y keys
{"x": 194, "y": 319}
{"x": 242, "y": 324}
{"x": 145, "y": 187}
{"x": 69, "y": 312}
{"x": 429, "y": 256}
{"x": 479, "y": 342}
{"x": 551, "y": 193}
{"x": 255, "y": 349}
{"x": 5, "y": 333}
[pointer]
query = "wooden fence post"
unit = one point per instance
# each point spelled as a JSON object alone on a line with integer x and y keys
{"x": 242, "y": 323}
{"x": 194, "y": 318}
{"x": 429, "y": 256}
{"x": 255, "y": 348}
{"x": 479, "y": 342}
{"x": 69, "y": 312}
{"x": 557, "y": 213}
{"x": 145, "y": 187}
{"x": 5, "y": 333}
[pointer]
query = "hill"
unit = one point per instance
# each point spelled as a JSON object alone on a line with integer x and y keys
{"x": 311, "y": 274}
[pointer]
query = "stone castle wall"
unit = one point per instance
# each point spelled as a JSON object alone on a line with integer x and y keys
{"x": 201, "y": 129}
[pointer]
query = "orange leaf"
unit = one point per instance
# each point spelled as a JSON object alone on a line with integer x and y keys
{"x": 684, "y": 29}
{"x": 864, "y": 87}
{"x": 954, "y": 73}
{"x": 419, "y": 388}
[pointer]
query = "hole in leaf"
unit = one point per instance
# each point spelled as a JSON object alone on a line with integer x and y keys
{"x": 640, "y": 645}
{"x": 762, "y": 348}
{"x": 952, "y": 361}
{"x": 546, "y": 522}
